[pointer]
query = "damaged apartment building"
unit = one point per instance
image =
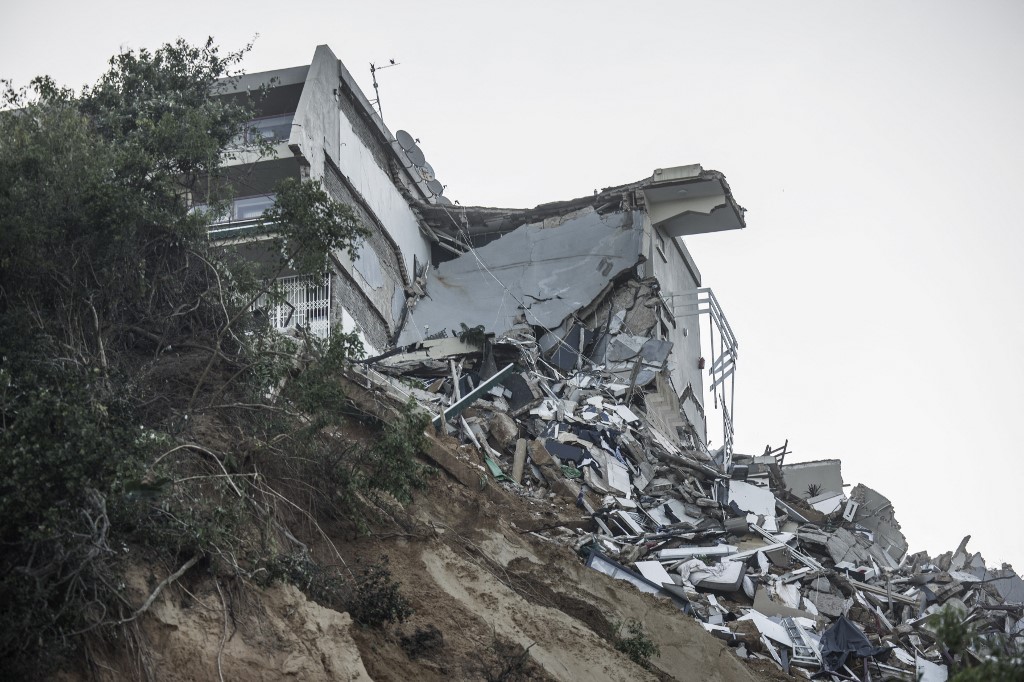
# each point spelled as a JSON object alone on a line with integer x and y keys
{"x": 602, "y": 281}
{"x": 573, "y": 356}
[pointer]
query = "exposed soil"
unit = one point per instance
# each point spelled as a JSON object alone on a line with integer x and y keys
{"x": 484, "y": 589}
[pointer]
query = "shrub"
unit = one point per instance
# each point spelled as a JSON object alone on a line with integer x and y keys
{"x": 506, "y": 662}
{"x": 323, "y": 585}
{"x": 421, "y": 641}
{"x": 376, "y": 599}
{"x": 638, "y": 645}
{"x": 1002, "y": 657}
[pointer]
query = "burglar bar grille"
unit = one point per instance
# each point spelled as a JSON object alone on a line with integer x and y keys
{"x": 306, "y": 304}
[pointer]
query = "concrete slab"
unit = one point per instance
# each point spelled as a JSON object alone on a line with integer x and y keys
{"x": 752, "y": 498}
{"x": 550, "y": 271}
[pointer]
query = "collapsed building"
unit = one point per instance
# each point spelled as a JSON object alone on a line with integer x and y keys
{"x": 575, "y": 350}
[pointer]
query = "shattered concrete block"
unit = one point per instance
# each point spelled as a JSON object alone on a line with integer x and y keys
{"x": 539, "y": 454}
{"x": 876, "y": 514}
{"x": 504, "y": 430}
{"x": 552, "y": 475}
{"x": 842, "y": 546}
{"x": 630, "y": 553}
{"x": 737, "y": 526}
{"x": 821, "y": 584}
{"x": 440, "y": 453}
{"x": 827, "y": 604}
{"x": 1008, "y": 584}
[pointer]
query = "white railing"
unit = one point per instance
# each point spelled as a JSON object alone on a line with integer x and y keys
{"x": 723, "y": 354}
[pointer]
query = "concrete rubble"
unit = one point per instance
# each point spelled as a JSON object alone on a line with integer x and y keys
{"x": 562, "y": 397}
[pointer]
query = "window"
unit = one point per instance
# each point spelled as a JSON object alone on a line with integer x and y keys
{"x": 661, "y": 248}
{"x": 306, "y": 303}
{"x": 273, "y": 129}
{"x": 242, "y": 208}
{"x": 250, "y": 208}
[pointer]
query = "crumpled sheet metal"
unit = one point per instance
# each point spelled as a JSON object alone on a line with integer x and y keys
{"x": 554, "y": 271}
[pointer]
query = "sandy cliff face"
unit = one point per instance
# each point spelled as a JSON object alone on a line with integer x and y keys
{"x": 206, "y": 634}
{"x": 472, "y": 569}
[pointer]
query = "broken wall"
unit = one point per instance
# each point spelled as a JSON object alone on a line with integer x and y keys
{"x": 876, "y": 513}
{"x": 360, "y": 156}
{"x": 545, "y": 271}
{"x": 376, "y": 272}
{"x": 825, "y": 475}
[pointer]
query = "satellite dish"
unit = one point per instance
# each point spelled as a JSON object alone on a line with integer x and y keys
{"x": 415, "y": 155}
{"x": 444, "y": 201}
{"x": 405, "y": 140}
{"x": 427, "y": 172}
{"x": 435, "y": 186}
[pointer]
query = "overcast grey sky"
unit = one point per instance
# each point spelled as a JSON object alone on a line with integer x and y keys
{"x": 878, "y": 148}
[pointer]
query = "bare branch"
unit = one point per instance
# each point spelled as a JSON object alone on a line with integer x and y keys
{"x": 159, "y": 588}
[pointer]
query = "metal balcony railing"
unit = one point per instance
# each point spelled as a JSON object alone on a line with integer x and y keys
{"x": 723, "y": 353}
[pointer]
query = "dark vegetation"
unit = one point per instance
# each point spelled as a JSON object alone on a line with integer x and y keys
{"x": 636, "y": 643}
{"x": 506, "y": 661}
{"x": 147, "y": 411}
{"x": 973, "y": 657}
{"x": 423, "y": 640}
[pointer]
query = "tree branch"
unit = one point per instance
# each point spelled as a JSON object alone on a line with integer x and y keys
{"x": 159, "y": 588}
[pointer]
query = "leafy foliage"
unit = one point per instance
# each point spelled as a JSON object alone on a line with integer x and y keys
{"x": 376, "y": 599}
{"x": 1002, "y": 657}
{"x": 96, "y": 234}
{"x": 146, "y": 407}
{"x": 637, "y": 645}
{"x": 372, "y": 596}
{"x": 323, "y": 585}
{"x": 309, "y": 223}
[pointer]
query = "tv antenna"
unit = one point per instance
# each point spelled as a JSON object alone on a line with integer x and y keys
{"x": 376, "y": 90}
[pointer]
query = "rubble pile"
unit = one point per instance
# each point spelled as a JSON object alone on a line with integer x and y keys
{"x": 773, "y": 558}
{"x": 549, "y": 348}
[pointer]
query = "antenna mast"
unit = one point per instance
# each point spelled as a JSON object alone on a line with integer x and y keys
{"x": 376, "y": 90}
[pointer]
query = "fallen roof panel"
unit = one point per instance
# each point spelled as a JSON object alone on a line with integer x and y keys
{"x": 552, "y": 268}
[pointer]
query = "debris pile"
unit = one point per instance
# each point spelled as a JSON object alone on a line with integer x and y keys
{"x": 774, "y": 558}
{"x": 561, "y": 389}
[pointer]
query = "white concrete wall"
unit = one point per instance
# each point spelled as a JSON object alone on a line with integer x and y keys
{"x": 313, "y": 130}
{"x": 676, "y": 273}
{"x": 357, "y": 163}
{"x": 827, "y": 474}
{"x": 323, "y": 130}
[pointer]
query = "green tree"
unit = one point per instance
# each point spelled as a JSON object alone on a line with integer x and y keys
{"x": 973, "y": 656}
{"x": 122, "y": 330}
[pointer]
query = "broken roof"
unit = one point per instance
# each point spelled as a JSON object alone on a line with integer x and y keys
{"x": 548, "y": 270}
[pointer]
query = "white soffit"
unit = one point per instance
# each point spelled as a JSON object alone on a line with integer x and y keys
{"x": 691, "y": 206}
